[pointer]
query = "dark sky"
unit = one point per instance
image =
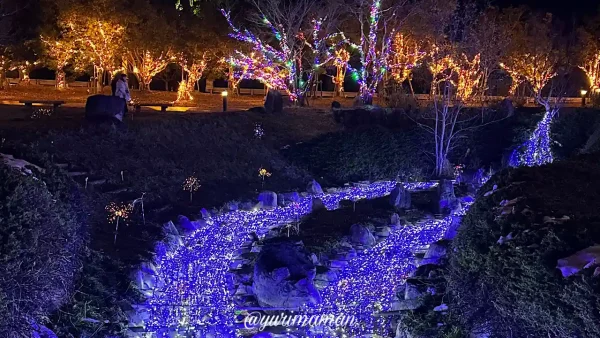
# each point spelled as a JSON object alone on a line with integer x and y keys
{"x": 565, "y": 9}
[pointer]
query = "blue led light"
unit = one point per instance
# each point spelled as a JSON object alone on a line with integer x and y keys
{"x": 536, "y": 150}
{"x": 193, "y": 283}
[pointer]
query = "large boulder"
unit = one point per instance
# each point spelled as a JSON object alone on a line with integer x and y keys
{"x": 103, "y": 107}
{"x": 284, "y": 275}
{"x": 314, "y": 188}
{"x": 273, "y": 102}
{"x": 447, "y": 201}
{"x": 267, "y": 200}
{"x": 400, "y": 197}
{"x": 360, "y": 234}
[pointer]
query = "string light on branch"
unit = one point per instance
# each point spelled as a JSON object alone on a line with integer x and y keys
{"x": 405, "y": 56}
{"x": 118, "y": 212}
{"x": 191, "y": 184}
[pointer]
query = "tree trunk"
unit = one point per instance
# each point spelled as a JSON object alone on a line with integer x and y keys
{"x": 60, "y": 79}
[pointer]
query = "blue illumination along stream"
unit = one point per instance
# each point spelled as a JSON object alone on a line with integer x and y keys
{"x": 192, "y": 292}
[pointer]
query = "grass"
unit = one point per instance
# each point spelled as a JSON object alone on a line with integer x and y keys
{"x": 323, "y": 230}
{"x": 155, "y": 152}
{"x": 204, "y": 102}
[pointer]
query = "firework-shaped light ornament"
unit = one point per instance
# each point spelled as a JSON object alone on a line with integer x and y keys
{"x": 262, "y": 172}
{"x": 116, "y": 213}
{"x": 191, "y": 184}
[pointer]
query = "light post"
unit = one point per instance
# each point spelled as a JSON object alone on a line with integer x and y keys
{"x": 224, "y": 96}
{"x": 583, "y": 93}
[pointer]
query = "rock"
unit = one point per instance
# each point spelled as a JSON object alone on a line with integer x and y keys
{"x": 435, "y": 253}
{"x": 139, "y": 316}
{"x": 232, "y": 205}
{"x": 273, "y": 102}
{"x": 21, "y": 165}
{"x": 597, "y": 272}
{"x": 314, "y": 188}
{"x": 280, "y": 200}
{"x": 284, "y": 275}
{"x": 205, "y": 214}
{"x": 327, "y": 276}
{"x": 317, "y": 204}
{"x": 384, "y": 232}
{"x": 145, "y": 278}
{"x": 447, "y": 201}
{"x": 395, "y": 220}
{"x": 267, "y": 200}
{"x": 187, "y": 226}
{"x": 503, "y": 239}
{"x": 400, "y": 197}
{"x": 293, "y": 197}
{"x": 359, "y": 234}
{"x": 40, "y": 331}
{"x": 172, "y": 238}
{"x": 580, "y": 260}
{"x": 406, "y": 304}
{"x": 104, "y": 107}
{"x": 440, "y": 308}
{"x": 411, "y": 291}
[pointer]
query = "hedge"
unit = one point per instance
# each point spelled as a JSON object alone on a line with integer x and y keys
{"x": 41, "y": 236}
{"x": 514, "y": 289}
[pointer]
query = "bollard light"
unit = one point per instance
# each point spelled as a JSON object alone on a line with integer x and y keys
{"x": 224, "y": 96}
{"x": 583, "y": 93}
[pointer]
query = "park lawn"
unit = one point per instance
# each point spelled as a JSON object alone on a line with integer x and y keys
{"x": 203, "y": 102}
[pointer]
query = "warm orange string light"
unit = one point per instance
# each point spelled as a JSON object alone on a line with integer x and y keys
{"x": 145, "y": 65}
{"x": 405, "y": 56}
{"x": 340, "y": 61}
{"x": 537, "y": 70}
{"x": 468, "y": 77}
{"x": 591, "y": 68}
{"x": 61, "y": 52}
{"x": 194, "y": 68}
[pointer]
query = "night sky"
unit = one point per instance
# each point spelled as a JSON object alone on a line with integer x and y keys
{"x": 565, "y": 9}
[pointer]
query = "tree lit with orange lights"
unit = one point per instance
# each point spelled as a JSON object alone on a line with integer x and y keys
{"x": 60, "y": 51}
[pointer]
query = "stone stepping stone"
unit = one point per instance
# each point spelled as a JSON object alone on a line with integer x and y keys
{"x": 77, "y": 173}
{"x": 62, "y": 165}
{"x": 97, "y": 181}
{"x": 117, "y": 191}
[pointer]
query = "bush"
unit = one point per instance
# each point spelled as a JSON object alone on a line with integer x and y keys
{"x": 365, "y": 154}
{"x": 514, "y": 289}
{"x": 41, "y": 235}
{"x": 571, "y": 131}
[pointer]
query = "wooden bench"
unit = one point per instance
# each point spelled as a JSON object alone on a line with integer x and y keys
{"x": 54, "y": 104}
{"x": 163, "y": 106}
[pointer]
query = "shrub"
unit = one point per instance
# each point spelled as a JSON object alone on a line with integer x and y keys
{"x": 514, "y": 289}
{"x": 371, "y": 153}
{"x": 571, "y": 131}
{"x": 41, "y": 235}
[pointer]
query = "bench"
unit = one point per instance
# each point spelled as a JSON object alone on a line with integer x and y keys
{"x": 54, "y": 104}
{"x": 163, "y": 106}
